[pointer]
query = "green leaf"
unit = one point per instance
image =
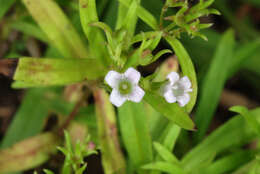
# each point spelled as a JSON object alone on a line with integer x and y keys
{"x": 243, "y": 54}
{"x": 170, "y": 135}
{"x": 47, "y": 171}
{"x": 28, "y": 153}
{"x": 235, "y": 132}
{"x": 108, "y": 31}
{"x": 187, "y": 69}
{"x": 129, "y": 20}
{"x": 165, "y": 153}
{"x": 135, "y": 133}
{"x": 172, "y": 111}
{"x": 5, "y": 6}
{"x": 30, "y": 29}
{"x": 251, "y": 120}
{"x": 145, "y": 15}
{"x": 88, "y": 14}
{"x": 214, "y": 83}
{"x": 112, "y": 157}
{"x": 230, "y": 162}
{"x": 47, "y": 71}
{"x": 57, "y": 27}
{"x": 29, "y": 119}
{"x": 164, "y": 167}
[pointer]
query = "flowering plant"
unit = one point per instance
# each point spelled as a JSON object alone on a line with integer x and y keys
{"x": 93, "y": 79}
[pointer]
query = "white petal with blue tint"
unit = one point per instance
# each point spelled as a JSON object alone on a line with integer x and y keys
{"x": 112, "y": 78}
{"x": 183, "y": 100}
{"x": 132, "y": 75}
{"x": 173, "y": 77}
{"x": 136, "y": 95}
{"x": 185, "y": 81}
{"x": 125, "y": 86}
{"x": 169, "y": 97}
{"x": 178, "y": 89}
{"x": 116, "y": 98}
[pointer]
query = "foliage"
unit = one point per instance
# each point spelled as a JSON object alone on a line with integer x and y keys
{"x": 85, "y": 39}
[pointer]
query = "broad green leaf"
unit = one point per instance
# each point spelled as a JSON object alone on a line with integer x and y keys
{"x": 235, "y": 132}
{"x": 5, "y": 6}
{"x": 251, "y": 120}
{"x": 229, "y": 163}
{"x": 57, "y": 27}
{"x": 28, "y": 153}
{"x": 29, "y": 119}
{"x": 47, "y": 71}
{"x": 164, "y": 167}
{"x": 187, "y": 69}
{"x": 172, "y": 111}
{"x": 145, "y": 15}
{"x": 112, "y": 157}
{"x": 213, "y": 83}
{"x": 135, "y": 133}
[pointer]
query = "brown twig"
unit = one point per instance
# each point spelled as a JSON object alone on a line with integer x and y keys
{"x": 73, "y": 114}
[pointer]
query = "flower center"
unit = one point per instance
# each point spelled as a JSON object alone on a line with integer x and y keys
{"x": 124, "y": 87}
{"x": 178, "y": 90}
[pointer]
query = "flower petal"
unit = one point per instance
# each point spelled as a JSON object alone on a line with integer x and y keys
{"x": 117, "y": 99}
{"x": 112, "y": 78}
{"x": 185, "y": 82}
{"x": 173, "y": 77}
{"x": 137, "y": 94}
{"x": 133, "y": 75}
{"x": 183, "y": 100}
{"x": 169, "y": 97}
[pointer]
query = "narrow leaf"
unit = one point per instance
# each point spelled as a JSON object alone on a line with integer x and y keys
{"x": 88, "y": 14}
{"x": 230, "y": 162}
{"x": 29, "y": 119}
{"x": 235, "y": 132}
{"x": 146, "y": 16}
{"x": 165, "y": 153}
{"x": 57, "y": 27}
{"x": 28, "y": 153}
{"x": 187, "y": 69}
{"x": 172, "y": 111}
{"x": 215, "y": 77}
{"x": 112, "y": 158}
{"x": 135, "y": 133}
{"x": 164, "y": 167}
{"x": 251, "y": 120}
{"x": 46, "y": 72}
{"x": 5, "y": 6}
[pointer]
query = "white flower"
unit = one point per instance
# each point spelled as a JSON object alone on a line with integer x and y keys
{"x": 125, "y": 86}
{"x": 177, "y": 89}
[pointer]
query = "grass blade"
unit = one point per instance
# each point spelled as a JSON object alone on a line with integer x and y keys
{"x": 112, "y": 158}
{"x": 57, "y": 27}
{"x": 172, "y": 111}
{"x": 135, "y": 133}
{"x": 213, "y": 83}
{"x": 234, "y": 132}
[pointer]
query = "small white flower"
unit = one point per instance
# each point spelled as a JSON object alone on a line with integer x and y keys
{"x": 177, "y": 89}
{"x": 125, "y": 86}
